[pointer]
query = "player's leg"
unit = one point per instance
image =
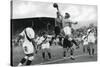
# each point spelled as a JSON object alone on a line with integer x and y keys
{"x": 89, "y": 49}
{"x": 30, "y": 52}
{"x": 92, "y": 46}
{"x": 49, "y": 54}
{"x": 93, "y": 51}
{"x": 72, "y": 53}
{"x": 43, "y": 51}
{"x": 23, "y": 61}
{"x": 64, "y": 48}
{"x": 60, "y": 41}
{"x": 64, "y": 53}
{"x": 84, "y": 49}
{"x": 29, "y": 61}
{"x": 43, "y": 54}
{"x": 48, "y": 50}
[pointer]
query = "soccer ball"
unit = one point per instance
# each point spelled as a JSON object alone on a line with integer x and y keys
{"x": 55, "y": 5}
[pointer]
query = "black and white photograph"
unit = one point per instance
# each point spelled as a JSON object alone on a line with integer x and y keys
{"x": 52, "y": 33}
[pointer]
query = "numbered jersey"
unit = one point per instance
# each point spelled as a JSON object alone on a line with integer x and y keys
{"x": 28, "y": 34}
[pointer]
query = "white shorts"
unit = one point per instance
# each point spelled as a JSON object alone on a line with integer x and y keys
{"x": 46, "y": 45}
{"x": 28, "y": 47}
{"x": 85, "y": 43}
{"x": 91, "y": 39}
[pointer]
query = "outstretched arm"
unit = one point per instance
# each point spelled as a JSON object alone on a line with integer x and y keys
{"x": 74, "y": 23}
{"x": 55, "y": 5}
{"x": 19, "y": 37}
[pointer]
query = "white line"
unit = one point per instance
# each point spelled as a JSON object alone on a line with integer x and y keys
{"x": 61, "y": 59}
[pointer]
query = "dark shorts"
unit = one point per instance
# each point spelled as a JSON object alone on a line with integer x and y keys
{"x": 67, "y": 43}
{"x": 91, "y": 45}
{"x": 57, "y": 30}
{"x": 29, "y": 55}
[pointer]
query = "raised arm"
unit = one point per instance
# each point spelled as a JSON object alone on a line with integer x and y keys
{"x": 55, "y": 5}
{"x": 74, "y": 22}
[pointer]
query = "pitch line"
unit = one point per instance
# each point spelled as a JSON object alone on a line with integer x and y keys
{"x": 61, "y": 59}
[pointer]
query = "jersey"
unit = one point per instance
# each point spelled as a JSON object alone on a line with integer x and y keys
{"x": 40, "y": 40}
{"x": 85, "y": 40}
{"x": 91, "y": 37}
{"x": 67, "y": 26}
{"x": 58, "y": 23}
{"x": 66, "y": 22}
{"x": 27, "y": 45}
{"x": 45, "y": 41}
{"x": 67, "y": 30}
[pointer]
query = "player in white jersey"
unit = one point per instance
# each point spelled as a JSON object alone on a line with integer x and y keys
{"x": 67, "y": 29}
{"x": 44, "y": 43}
{"x": 28, "y": 45}
{"x": 91, "y": 41}
{"x": 85, "y": 43}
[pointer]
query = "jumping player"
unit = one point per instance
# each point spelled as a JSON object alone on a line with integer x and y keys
{"x": 58, "y": 25}
{"x": 67, "y": 29}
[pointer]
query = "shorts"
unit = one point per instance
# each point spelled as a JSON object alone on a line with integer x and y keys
{"x": 90, "y": 45}
{"x": 46, "y": 45}
{"x": 57, "y": 30}
{"x": 67, "y": 43}
{"x": 85, "y": 43}
{"x": 28, "y": 48}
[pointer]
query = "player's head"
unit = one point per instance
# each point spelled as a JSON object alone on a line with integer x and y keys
{"x": 43, "y": 33}
{"x": 67, "y": 15}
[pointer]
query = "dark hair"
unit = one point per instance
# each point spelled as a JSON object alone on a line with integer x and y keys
{"x": 67, "y": 15}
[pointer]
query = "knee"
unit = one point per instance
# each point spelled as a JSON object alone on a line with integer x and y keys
{"x": 26, "y": 57}
{"x": 31, "y": 58}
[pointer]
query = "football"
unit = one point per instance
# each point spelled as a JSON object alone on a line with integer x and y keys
{"x": 55, "y": 5}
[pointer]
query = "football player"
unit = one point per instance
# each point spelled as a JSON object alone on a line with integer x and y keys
{"x": 44, "y": 43}
{"x": 91, "y": 41}
{"x": 29, "y": 46}
{"x": 67, "y": 30}
{"x": 85, "y": 43}
{"x": 58, "y": 25}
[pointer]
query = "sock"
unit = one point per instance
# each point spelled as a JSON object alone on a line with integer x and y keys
{"x": 49, "y": 54}
{"x": 93, "y": 51}
{"x": 84, "y": 49}
{"x": 89, "y": 51}
{"x": 28, "y": 62}
{"x": 71, "y": 53}
{"x": 22, "y": 61}
{"x": 43, "y": 55}
{"x": 64, "y": 53}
